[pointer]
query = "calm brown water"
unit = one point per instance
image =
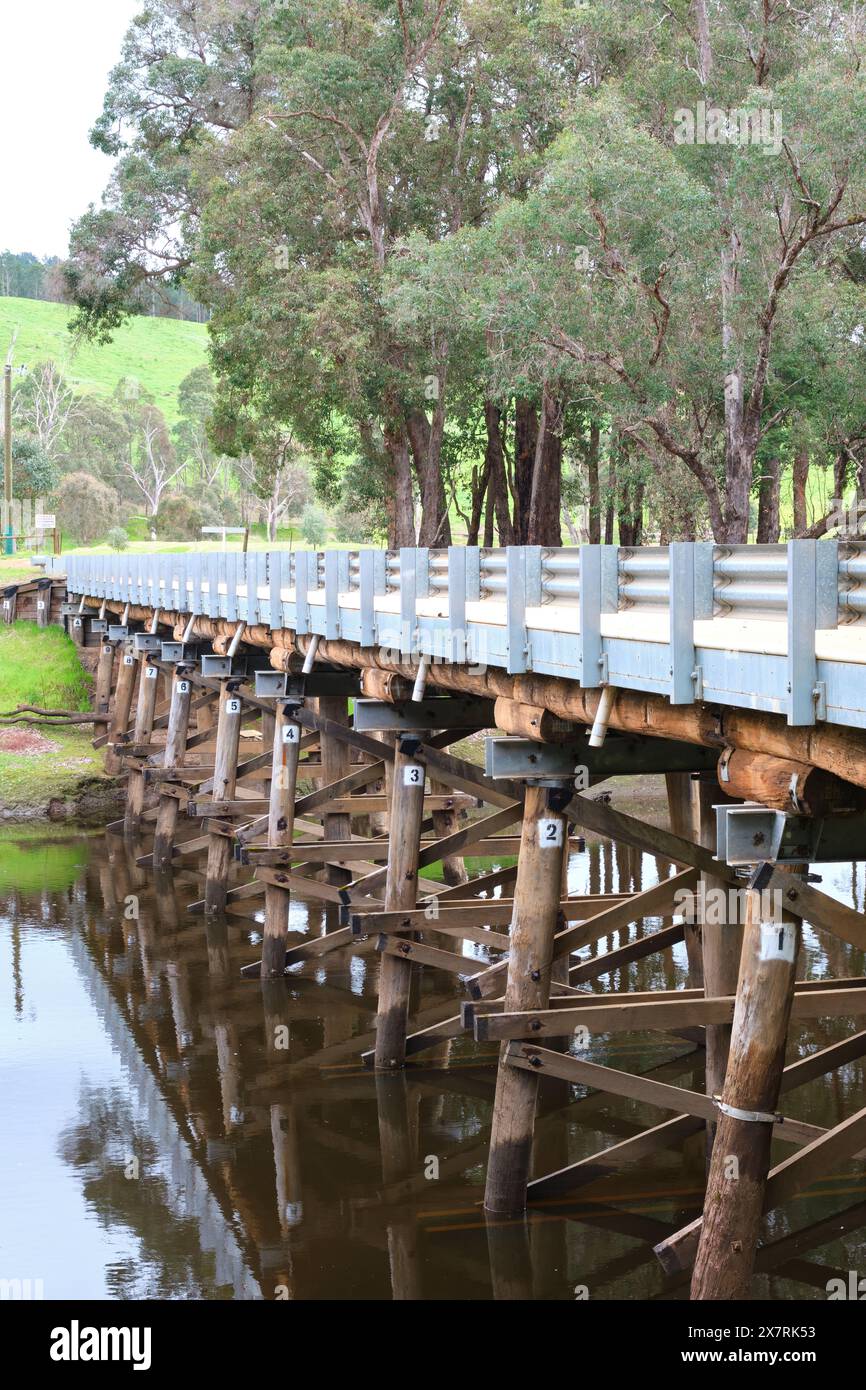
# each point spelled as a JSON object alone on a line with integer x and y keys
{"x": 168, "y": 1130}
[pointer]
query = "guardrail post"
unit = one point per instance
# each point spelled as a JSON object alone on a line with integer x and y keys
{"x": 456, "y": 645}
{"x": 589, "y": 600}
{"x": 681, "y": 605}
{"x": 802, "y": 616}
{"x": 408, "y": 598}
{"x": 372, "y": 582}
{"x": 302, "y": 587}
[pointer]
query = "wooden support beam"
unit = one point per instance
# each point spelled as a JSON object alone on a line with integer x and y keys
{"x": 431, "y": 854}
{"x": 543, "y": 1061}
{"x": 677, "y": 1252}
{"x": 148, "y": 688}
{"x": 682, "y": 822}
{"x": 740, "y": 1160}
{"x": 336, "y": 764}
{"x": 119, "y": 725}
{"x": 655, "y": 901}
{"x": 536, "y": 906}
{"x": 648, "y": 945}
{"x": 659, "y": 1013}
{"x": 722, "y": 941}
{"x": 175, "y": 750}
{"x": 224, "y": 781}
{"x": 409, "y": 951}
{"x": 469, "y": 913}
{"x": 401, "y": 892}
{"x": 284, "y": 778}
{"x": 104, "y": 672}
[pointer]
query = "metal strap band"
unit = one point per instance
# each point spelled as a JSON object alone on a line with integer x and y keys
{"x": 761, "y": 1117}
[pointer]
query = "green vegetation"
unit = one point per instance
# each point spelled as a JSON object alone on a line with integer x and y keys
{"x": 158, "y": 353}
{"x": 573, "y": 270}
{"x": 40, "y": 666}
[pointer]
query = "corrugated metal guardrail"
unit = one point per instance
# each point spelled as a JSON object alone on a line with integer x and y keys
{"x": 804, "y": 585}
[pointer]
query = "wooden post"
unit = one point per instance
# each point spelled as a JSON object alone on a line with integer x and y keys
{"x": 122, "y": 705}
{"x": 104, "y": 670}
{"x": 741, "y": 1153}
{"x": 537, "y": 891}
{"x": 401, "y": 892}
{"x": 148, "y": 687}
{"x": 281, "y": 824}
{"x": 175, "y": 749}
{"x": 721, "y": 939}
{"x": 228, "y": 738}
{"x": 336, "y": 764}
{"x": 682, "y": 822}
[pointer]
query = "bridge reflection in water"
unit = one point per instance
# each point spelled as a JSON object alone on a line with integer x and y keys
{"x": 173, "y": 1131}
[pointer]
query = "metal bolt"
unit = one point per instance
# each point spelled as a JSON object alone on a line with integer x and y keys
{"x": 535, "y": 1025}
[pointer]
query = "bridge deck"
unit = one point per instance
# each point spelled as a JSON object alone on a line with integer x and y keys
{"x": 771, "y": 628}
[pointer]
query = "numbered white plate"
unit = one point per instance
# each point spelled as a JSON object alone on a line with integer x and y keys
{"x": 291, "y": 733}
{"x": 413, "y": 775}
{"x": 778, "y": 942}
{"x": 550, "y": 833}
{"x": 183, "y": 687}
{"x": 233, "y": 706}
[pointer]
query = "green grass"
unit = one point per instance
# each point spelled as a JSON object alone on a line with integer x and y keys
{"x": 40, "y": 666}
{"x": 158, "y": 352}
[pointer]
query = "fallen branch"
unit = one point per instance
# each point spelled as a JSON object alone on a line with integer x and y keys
{"x": 62, "y": 716}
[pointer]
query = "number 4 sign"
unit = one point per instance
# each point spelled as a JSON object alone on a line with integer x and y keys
{"x": 550, "y": 833}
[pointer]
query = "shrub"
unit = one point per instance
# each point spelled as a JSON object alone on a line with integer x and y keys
{"x": 118, "y": 538}
{"x": 314, "y": 525}
{"x": 179, "y": 519}
{"x": 86, "y": 507}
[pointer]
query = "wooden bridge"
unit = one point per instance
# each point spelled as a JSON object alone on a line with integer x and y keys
{"x": 737, "y": 672}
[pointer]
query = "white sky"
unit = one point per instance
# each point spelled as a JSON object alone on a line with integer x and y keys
{"x": 55, "y": 57}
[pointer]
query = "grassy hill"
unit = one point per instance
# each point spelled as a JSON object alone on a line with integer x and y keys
{"x": 159, "y": 352}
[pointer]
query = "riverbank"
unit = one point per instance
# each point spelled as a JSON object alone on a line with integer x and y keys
{"x": 50, "y": 773}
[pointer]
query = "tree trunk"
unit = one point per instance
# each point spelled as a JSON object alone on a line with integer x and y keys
{"x": 398, "y": 494}
{"x": 545, "y": 526}
{"x": 768, "y": 502}
{"x": 592, "y": 453}
{"x": 631, "y": 515}
{"x": 800, "y": 476}
{"x": 426, "y": 443}
{"x": 525, "y": 438}
{"x": 611, "y": 494}
{"x": 495, "y": 465}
